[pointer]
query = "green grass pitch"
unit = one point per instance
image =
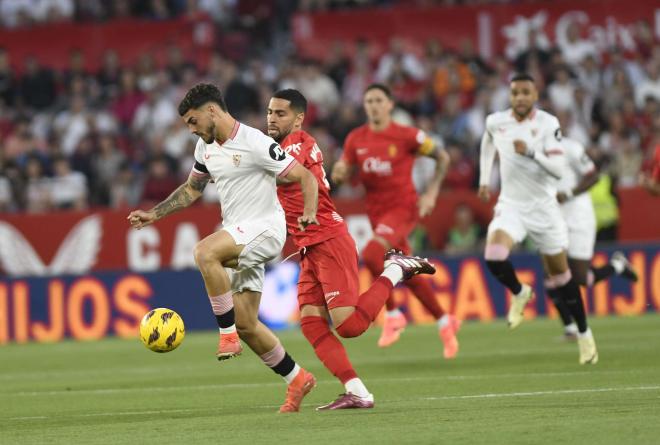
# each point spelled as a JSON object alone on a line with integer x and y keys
{"x": 518, "y": 387}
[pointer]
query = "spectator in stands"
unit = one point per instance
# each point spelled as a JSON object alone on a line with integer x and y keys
{"x": 562, "y": 91}
{"x": 156, "y": 113}
{"x": 160, "y": 181}
{"x": 241, "y": 98}
{"x": 37, "y": 187}
{"x": 650, "y": 87}
{"x": 462, "y": 169}
{"x": 68, "y": 188}
{"x": 466, "y": 235}
{"x": 22, "y": 141}
{"x": 106, "y": 165}
{"x": 109, "y": 76}
{"x": 7, "y": 79}
{"x": 627, "y": 160}
{"x": 318, "y": 88}
{"x": 126, "y": 189}
{"x": 573, "y": 47}
{"x": 398, "y": 55}
{"x": 71, "y": 125}
{"x": 128, "y": 100}
{"x": 37, "y": 85}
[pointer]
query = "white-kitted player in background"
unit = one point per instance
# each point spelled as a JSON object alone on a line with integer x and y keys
{"x": 528, "y": 142}
{"x": 579, "y": 174}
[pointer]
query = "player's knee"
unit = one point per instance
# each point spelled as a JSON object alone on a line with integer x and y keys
{"x": 246, "y": 326}
{"x": 203, "y": 254}
{"x": 314, "y": 328}
{"x": 496, "y": 252}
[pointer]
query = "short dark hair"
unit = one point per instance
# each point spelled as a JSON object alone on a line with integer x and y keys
{"x": 199, "y": 95}
{"x": 295, "y": 97}
{"x": 381, "y": 87}
{"x": 521, "y": 77}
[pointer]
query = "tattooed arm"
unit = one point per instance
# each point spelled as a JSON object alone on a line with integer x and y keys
{"x": 180, "y": 198}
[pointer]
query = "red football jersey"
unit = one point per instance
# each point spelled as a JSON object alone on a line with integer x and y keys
{"x": 302, "y": 146}
{"x": 385, "y": 160}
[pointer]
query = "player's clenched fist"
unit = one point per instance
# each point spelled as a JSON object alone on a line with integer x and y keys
{"x": 141, "y": 218}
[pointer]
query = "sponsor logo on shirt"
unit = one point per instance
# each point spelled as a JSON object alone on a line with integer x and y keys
{"x": 293, "y": 148}
{"x": 362, "y": 151}
{"x": 378, "y": 166}
{"x": 331, "y": 296}
{"x": 392, "y": 150}
{"x": 276, "y": 153}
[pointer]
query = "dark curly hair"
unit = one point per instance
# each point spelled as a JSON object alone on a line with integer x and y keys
{"x": 199, "y": 95}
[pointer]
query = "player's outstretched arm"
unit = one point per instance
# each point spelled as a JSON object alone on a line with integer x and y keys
{"x": 180, "y": 198}
{"x": 486, "y": 159}
{"x": 310, "y": 192}
{"x": 427, "y": 200}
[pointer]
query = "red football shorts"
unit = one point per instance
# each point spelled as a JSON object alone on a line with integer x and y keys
{"x": 329, "y": 274}
{"x": 395, "y": 226}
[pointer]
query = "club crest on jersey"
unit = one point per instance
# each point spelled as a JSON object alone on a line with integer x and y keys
{"x": 534, "y": 132}
{"x": 236, "y": 159}
{"x": 276, "y": 153}
{"x": 391, "y": 150}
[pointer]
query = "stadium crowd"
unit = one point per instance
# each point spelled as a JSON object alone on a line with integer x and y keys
{"x": 75, "y": 139}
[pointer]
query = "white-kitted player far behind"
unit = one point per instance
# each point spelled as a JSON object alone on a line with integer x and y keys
{"x": 579, "y": 174}
{"x": 528, "y": 142}
{"x": 244, "y": 163}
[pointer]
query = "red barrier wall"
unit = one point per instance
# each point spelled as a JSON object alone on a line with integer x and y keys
{"x": 51, "y": 243}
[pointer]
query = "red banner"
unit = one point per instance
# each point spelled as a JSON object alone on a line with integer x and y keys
{"x": 130, "y": 38}
{"x": 492, "y": 28}
{"x": 78, "y": 242}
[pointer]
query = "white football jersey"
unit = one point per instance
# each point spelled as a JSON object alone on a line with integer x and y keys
{"x": 244, "y": 169}
{"x": 524, "y": 182}
{"x": 577, "y": 165}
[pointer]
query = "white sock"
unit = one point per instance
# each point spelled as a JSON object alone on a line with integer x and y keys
{"x": 585, "y": 334}
{"x": 355, "y": 386}
{"x": 394, "y": 273}
{"x": 393, "y": 313}
{"x": 443, "y": 321}
{"x": 618, "y": 266}
{"x": 571, "y": 328}
{"x": 229, "y": 330}
{"x": 292, "y": 375}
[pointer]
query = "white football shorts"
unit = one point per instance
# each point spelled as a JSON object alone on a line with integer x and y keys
{"x": 581, "y": 223}
{"x": 263, "y": 241}
{"x": 544, "y": 224}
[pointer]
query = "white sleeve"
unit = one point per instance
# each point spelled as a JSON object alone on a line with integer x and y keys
{"x": 200, "y": 166}
{"x": 552, "y": 157}
{"x": 486, "y": 157}
{"x": 272, "y": 158}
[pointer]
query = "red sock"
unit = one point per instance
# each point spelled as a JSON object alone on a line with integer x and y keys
{"x": 369, "y": 305}
{"x": 328, "y": 348}
{"x": 424, "y": 293}
{"x": 373, "y": 256}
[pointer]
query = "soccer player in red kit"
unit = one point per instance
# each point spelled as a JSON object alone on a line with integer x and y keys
{"x": 328, "y": 282}
{"x": 652, "y": 182}
{"x": 384, "y": 153}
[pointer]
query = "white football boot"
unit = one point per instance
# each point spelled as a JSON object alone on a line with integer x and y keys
{"x": 588, "y": 352}
{"x": 518, "y": 303}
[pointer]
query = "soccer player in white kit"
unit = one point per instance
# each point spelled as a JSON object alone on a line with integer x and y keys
{"x": 579, "y": 174}
{"x": 244, "y": 163}
{"x": 528, "y": 142}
